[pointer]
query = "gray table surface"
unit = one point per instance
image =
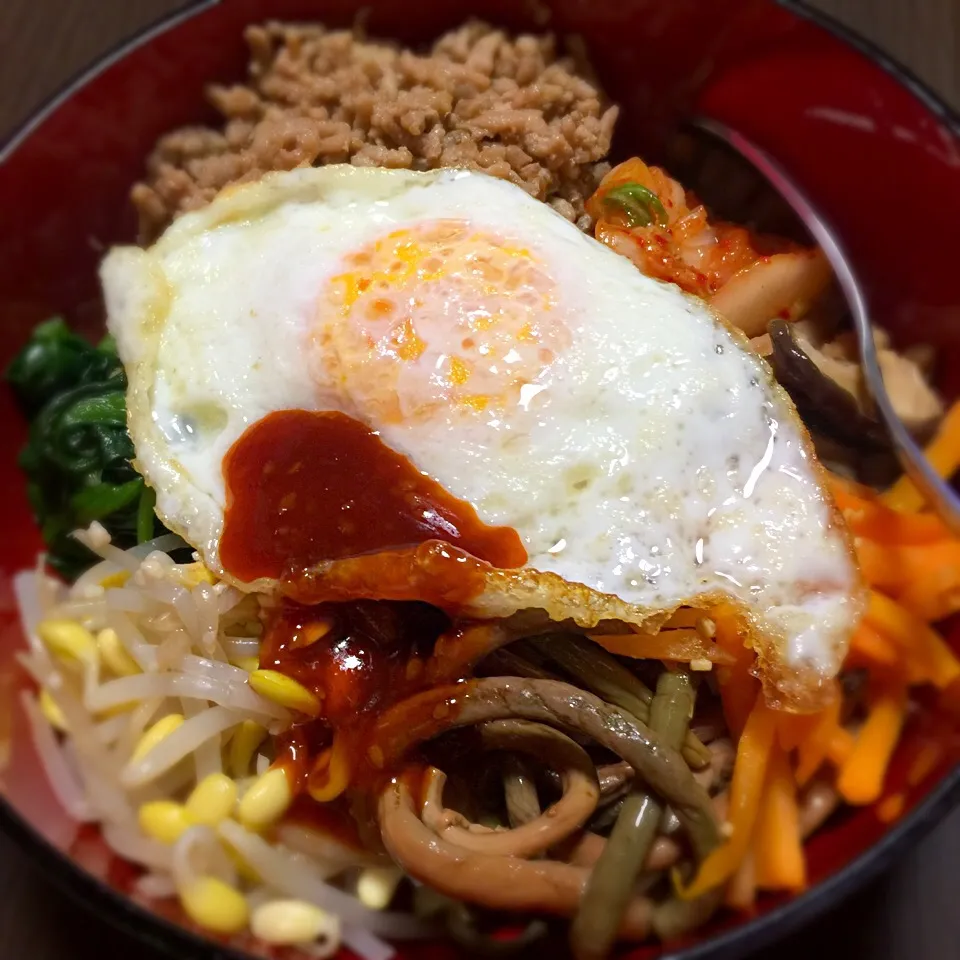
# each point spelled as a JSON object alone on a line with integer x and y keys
{"x": 913, "y": 912}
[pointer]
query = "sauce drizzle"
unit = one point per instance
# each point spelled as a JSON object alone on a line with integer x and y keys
{"x": 304, "y": 487}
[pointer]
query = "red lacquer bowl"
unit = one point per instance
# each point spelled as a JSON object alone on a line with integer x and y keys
{"x": 875, "y": 152}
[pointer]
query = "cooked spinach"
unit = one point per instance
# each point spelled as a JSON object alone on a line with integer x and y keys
{"x": 78, "y": 453}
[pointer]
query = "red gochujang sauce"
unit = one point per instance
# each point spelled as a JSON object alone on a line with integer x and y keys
{"x": 296, "y": 749}
{"x": 319, "y": 502}
{"x": 357, "y": 656}
{"x": 305, "y": 487}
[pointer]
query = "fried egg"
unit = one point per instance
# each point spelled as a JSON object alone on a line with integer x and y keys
{"x": 645, "y": 458}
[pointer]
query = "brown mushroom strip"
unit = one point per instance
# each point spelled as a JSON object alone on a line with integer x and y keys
{"x": 580, "y": 794}
{"x": 432, "y": 712}
{"x": 500, "y": 883}
{"x": 675, "y": 917}
{"x": 581, "y": 851}
{"x": 663, "y": 854}
{"x": 822, "y": 403}
{"x": 596, "y": 669}
{"x": 519, "y": 791}
{"x": 604, "y": 675}
{"x": 717, "y": 775}
{"x": 506, "y": 663}
{"x": 585, "y": 850}
{"x": 616, "y": 781}
{"x": 613, "y": 777}
{"x": 708, "y": 729}
{"x": 458, "y": 652}
{"x": 606, "y": 816}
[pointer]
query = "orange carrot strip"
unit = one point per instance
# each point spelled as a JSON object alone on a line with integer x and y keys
{"x": 890, "y": 808}
{"x": 880, "y": 563}
{"x": 794, "y": 728}
{"x": 943, "y": 452}
{"x": 925, "y": 762}
{"x": 746, "y": 789}
{"x": 684, "y": 617}
{"x": 921, "y": 645}
{"x": 870, "y": 518}
{"x": 840, "y": 746}
{"x": 681, "y": 646}
{"x": 933, "y": 597}
{"x": 845, "y": 487}
{"x": 948, "y": 700}
{"x": 894, "y": 567}
{"x": 779, "y": 847}
{"x": 814, "y": 749}
{"x": 891, "y": 526}
{"x": 738, "y": 686}
{"x": 738, "y": 690}
{"x": 875, "y": 648}
{"x": 861, "y": 777}
{"x": 742, "y": 888}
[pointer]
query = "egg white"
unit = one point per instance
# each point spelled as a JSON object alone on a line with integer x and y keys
{"x": 654, "y": 460}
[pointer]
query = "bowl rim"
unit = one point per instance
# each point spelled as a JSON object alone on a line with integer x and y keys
{"x": 890, "y": 64}
{"x": 121, "y": 911}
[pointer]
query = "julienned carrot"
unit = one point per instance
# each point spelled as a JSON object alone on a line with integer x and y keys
{"x": 842, "y": 487}
{"x": 794, "y": 728}
{"x": 685, "y": 617}
{"x": 943, "y": 452}
{"x": 895, "y": 568}
{"x": 879, "y": 563}
{"x": 683, "y": 646}
{"x": 891, "y": 526}
{"x": 890, "y": 808}
{"x": 861, "y": 777}
{"x": 738, "y": 690}
{"x": 742, "y": 889}
{"x": 948, "y": 699}
{"x": 915, "y": 561}
{"x": 868, "y": 517}
{"x": 746, "y": 790}
{"x": 738, "y": 686}
{"x": 873, "y": 647}
{"x": 780, "y": 863}
{"x": 813, "y": 750}
{"x": 922, "y": 647}
{"x": 925, "y": 762}
{"x": 840, "y": 745}
{"x": 934, "y": 597}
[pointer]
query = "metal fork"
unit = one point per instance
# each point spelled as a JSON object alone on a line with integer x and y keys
{"x": 937, "y": 492}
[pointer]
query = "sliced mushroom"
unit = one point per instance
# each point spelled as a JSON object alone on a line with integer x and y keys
{"x": 904, "y": 374}
{"x": 911, "y": 395}
{"x": 825, "y": 406}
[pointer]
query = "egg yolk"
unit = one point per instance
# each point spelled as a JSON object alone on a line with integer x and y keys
{"x": 438, "y": 316}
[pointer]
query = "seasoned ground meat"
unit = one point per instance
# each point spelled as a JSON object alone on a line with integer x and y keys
{"x": 480, "y": 99}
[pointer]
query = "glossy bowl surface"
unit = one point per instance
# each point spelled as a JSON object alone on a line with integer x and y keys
{"x": 864, "y": 140}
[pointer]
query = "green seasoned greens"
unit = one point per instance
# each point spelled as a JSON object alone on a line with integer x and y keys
{"x": 610, "y": 886}
{"x": 78, "y": 453}
{"x": 639, "y": 204}
{"x": 605, "y": 676}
